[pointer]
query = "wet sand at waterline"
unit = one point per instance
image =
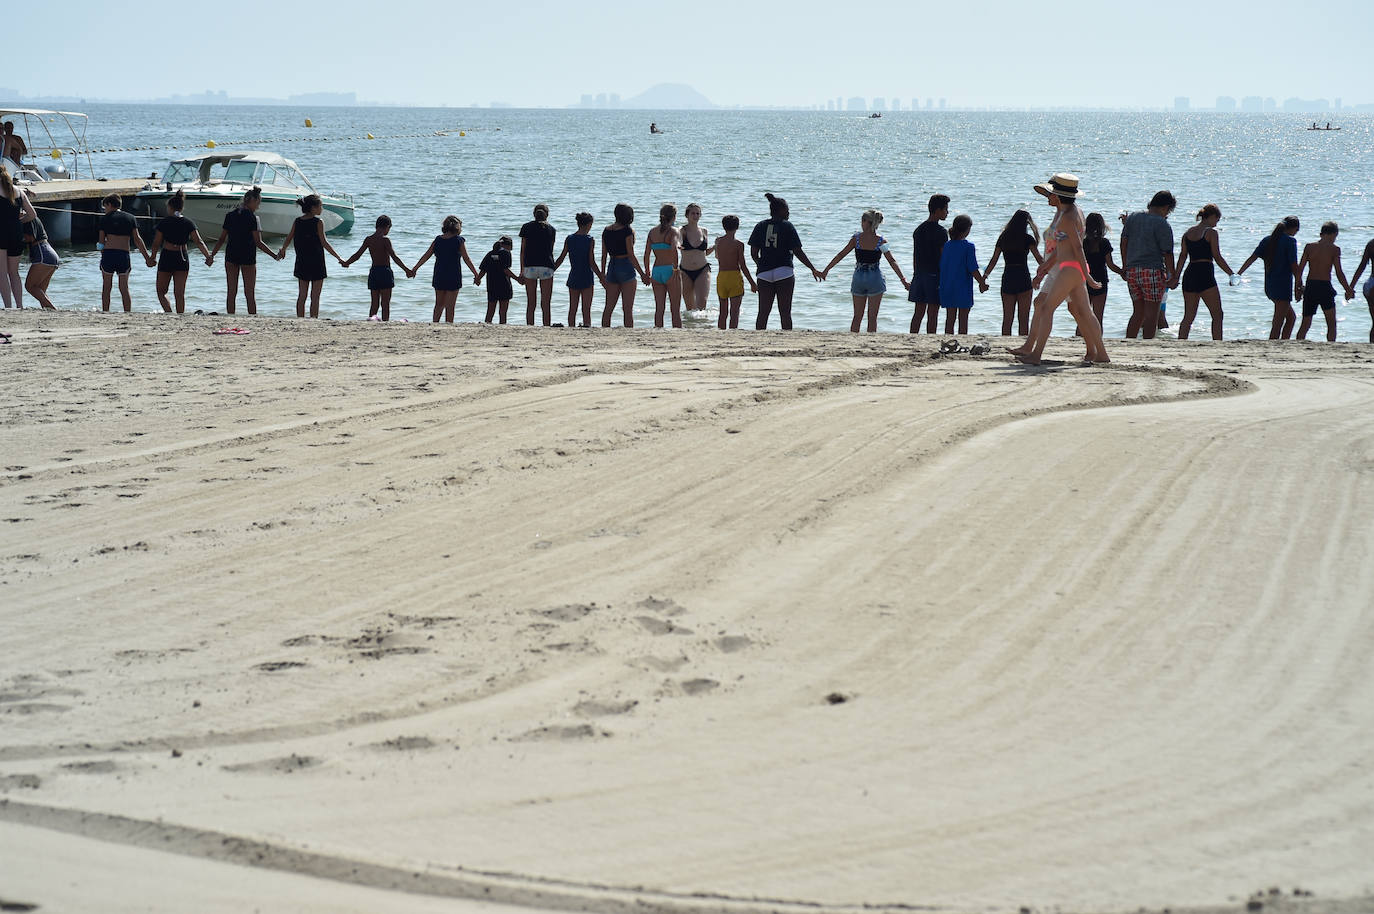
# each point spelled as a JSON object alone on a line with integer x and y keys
{"x": 348, "y": 617}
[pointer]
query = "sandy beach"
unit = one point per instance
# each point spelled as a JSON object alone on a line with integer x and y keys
{"x": 400, "y": 618}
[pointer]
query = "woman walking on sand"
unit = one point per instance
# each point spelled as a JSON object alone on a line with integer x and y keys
{"x": 696, "y": 270}
{"x": 1064, "y": 275}
{"x": 868, "y": 285}
{"x": 620, "y": 266}
{"x": 307, "y": 233}
{"x": 173, "y": 235}
{"x": 1016, "y": 243}
{"x": 1279, "y": 251}
{"x": 1200, "y": 281}
{"x": 661, "y": 244}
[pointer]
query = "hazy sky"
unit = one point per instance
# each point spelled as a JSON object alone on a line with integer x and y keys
{"x": 549, "y": 52}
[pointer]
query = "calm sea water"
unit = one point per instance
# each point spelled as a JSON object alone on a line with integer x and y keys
{"x": 830, "y": 167}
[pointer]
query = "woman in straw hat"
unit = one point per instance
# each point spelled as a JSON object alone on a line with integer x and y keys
{"x": 1063, "y": 275}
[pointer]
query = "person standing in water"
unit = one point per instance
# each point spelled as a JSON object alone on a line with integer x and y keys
{"x": 450, "y": 252}
{"x": 734, "y": 270}
{"x": 1098, "y": 252}
{"x": 1279, "y": 251}
{"x": 868, "y": 283}
{"x": 1199, "y": 279}
{"x": 661, "y": 244}
{"x": 772, "y": 245}
{"x": 1147, "y": 255}
{"x": 242, "y": 231}
{"x": 1065, "y": 273}
{"x": 381, "y": 279}
{"x": 170, "y": 240}
{"x": 1368, "y": 288}
{"x": 579, "y": 249}
{"x": 1016, "y": 243}
{"x": 118, "y": 231}
{"x": 620, "y": 266}
{"x": 536, "y": 264}
{"x": 1322, "y": 256}
{"x": 695, "y": 268}
{"x": 928, "y": 242}
{"x": 307, "y": 233}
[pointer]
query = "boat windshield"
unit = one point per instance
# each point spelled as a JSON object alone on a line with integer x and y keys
{"x": 241, "y": 172}
{"x": 284, "y": 176}
{"x": 181, "y": 172}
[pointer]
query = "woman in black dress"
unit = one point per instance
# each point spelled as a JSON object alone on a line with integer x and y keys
{"x": 1017, "y": 242}
{"x": 170, "y": 241}
{"x": 308, "y": 234}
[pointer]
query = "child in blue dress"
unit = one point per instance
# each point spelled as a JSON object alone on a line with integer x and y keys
{"x": 958, "y": 270}
{"x": 580, "y": 251}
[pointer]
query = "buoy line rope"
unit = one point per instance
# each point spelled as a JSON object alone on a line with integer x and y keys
{"x": 300, "y": 139}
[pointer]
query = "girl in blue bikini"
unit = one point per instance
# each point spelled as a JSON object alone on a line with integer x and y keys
{"x": 662, "y": 242}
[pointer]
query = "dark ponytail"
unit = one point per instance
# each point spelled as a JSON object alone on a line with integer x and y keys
{"x": 1271, "y": 250}
{"x": 177, "y": 202}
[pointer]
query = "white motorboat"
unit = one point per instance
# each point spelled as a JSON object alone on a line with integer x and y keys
{"x": 214, "y": 183}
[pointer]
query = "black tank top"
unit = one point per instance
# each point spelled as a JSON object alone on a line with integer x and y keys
{"x": 615, "y": 242}
{"x": 1015, "y": 249}
{"x": 307, "y": 240}
{"x": 1199, "y": 250}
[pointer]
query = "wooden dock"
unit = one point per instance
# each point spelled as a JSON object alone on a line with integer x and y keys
{"x": 70, "y": 209}
{"x": 67, "y": 191}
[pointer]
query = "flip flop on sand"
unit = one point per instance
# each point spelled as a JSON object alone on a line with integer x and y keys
{"x": 232, "y": 331}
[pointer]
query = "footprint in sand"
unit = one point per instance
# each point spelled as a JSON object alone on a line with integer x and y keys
{"x": 276, "y": 666}
{"x": 105, "y": 766}
{"x": 558, "y": 733}
{"x": 570, "y": 613}
{"x": 20, "y": 782}
{"x": 286, "y": 764}
{"x": 662, "y": 606}
{"x": 699, "y": 686}
{"x": 405, "y": 744}
{"x": 591, "y": 708}
{"x": 661, "y": 627}
{"x": 729, "y": 644}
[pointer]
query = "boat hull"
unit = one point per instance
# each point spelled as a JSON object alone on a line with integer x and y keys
{"x": 207, "y": 208}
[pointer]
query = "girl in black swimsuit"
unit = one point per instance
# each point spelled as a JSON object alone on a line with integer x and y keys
{"x": 1199, "y": 280}
{"x": 696, "y": 271}
{"x": 170, "y": 241}
{"x": 1017, "y": 242}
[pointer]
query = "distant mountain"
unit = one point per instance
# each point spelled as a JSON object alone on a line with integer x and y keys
{"x": 668, "y": 96}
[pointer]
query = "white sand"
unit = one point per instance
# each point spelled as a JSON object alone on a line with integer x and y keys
{"x": 551, "y": 617}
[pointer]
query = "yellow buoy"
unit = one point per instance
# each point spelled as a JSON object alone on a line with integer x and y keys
{"x": 209, "y": 144}
{"x": 462, "y": 133}
{"x": 371, "y": 137}
{"x": 308, "y": 122}
{"x": 56, "y": 153}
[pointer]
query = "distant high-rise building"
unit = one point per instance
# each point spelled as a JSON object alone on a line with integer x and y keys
{"x": 1252, "y": 103}
{"x": 586, "y": 102}
{"x": 857, "y": 104}
{"x": 915, "y": 104}
{"x": 1336, "y": 105}
{"x": 830, "y": 105}
{"x": 896, "y": 104}
{"x": 930, "y": 103}
{"x": 839, "y": 103}
{"x": 1226, "y": 103}
{"x": 879, "y": 104}
{"x": 942, "y": 103}
{"x": 1182, "y": 103}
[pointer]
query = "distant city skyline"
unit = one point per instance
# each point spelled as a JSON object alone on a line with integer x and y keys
{"x": 542, "y": 53}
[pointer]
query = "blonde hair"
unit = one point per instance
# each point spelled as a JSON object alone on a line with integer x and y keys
{"x": 6, "y": 185}
{"x": 871, "y": 219}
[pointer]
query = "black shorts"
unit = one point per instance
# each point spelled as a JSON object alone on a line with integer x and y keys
{"x": 925, "y": 289}
{"x": 173, "y": 262}
{"x": 1016, "y": 280}
{"x": 1318, "y": 293}
{"x": 116, "y": 262}
{"x": 14, "y": 246}
{"x": 381, "y": 278}
{"x": 1199, "y": 277}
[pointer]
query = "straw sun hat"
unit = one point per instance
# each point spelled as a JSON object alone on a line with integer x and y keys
{"x": 1063, "y": 185}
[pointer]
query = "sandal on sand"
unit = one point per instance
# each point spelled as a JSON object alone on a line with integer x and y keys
{"x": 979, "y": 349}
{"x": 950, "y": 347}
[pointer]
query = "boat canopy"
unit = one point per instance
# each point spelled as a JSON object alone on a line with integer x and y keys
{"x": 32, "y": 125}
{"x": 265, "y": 169}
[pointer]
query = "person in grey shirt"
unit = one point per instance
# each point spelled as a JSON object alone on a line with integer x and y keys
{"x": 1147, "y": 257}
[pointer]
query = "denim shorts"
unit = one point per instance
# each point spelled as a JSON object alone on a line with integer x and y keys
{"x": 620, "y": 270}
{"x": 868, "y": 280}
{"x": 538, "y": 273}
